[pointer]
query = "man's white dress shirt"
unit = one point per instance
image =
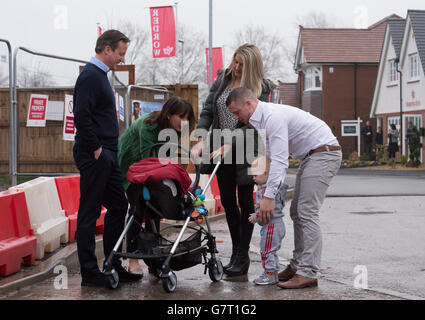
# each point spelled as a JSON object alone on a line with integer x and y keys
{"x": 291, "y": 132}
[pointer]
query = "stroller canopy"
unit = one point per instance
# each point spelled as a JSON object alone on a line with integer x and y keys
{"x": 159, "y": 169}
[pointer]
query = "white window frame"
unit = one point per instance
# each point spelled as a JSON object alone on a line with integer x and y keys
{"x": 393, "y": 76}
{"x": 379, "y": 123}
{"x": 396, "y": 121}
{"x": 312, "y": 74}
{"x": 417, "y": 121}
{"x": 414, "y": 66}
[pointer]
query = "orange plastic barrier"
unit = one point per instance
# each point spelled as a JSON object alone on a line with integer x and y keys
{"x": 17, "y": 240}
{"x": 69, "y": 195}
{"x": 47, "y": 218}
{"x": 216, "y": 193}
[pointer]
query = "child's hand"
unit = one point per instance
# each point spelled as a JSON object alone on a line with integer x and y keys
{"x": 251, "y": 218}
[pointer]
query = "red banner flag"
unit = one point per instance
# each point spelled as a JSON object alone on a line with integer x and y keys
{"x": 217, "y": 59}
{"x": 163, "y": 32}
{"x": 99, "y": 29}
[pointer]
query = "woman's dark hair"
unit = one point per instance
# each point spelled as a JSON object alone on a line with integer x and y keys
{"x": 174, "y": 106}
{"x": 110, "y": 38}
{"x": 393, "y": 126}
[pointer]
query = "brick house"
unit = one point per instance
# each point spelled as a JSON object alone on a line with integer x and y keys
{"x": 337, "y": 70}
{"x": 403, "y": 49}
{"x": 288, "y": 94}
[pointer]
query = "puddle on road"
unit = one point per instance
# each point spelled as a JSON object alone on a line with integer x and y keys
{"x": 372, "y": 212}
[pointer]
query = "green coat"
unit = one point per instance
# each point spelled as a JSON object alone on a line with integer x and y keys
{"x": 208, "y": 119}
{"x": 135, "y": 144}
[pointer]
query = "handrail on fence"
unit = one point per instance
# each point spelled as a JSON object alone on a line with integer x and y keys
{"x": 11, "y": 139}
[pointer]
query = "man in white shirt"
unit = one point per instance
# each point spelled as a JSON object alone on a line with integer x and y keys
{"x": 293, "y": 132}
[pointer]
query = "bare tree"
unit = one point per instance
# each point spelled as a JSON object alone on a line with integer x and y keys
{"x": 314, "y": 19}
{"x": 139, "y": 52}
{"x": 194, "y": 68}
{"x": 4, "y": 74}
{"x": 4, "y": 80}
{"x": 309, "y": 20}
{"x": 151, "y": 70}
{"x": 34, "y": 77}
{"x": 270, "y": 45}
{"x": 139, "y": 41}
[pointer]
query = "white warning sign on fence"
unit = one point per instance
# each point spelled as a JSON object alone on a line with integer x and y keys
{"x": 119, "y": 105}
{"x": 121, "y": 100}
{"x": 37, "y": 110}
{"x": 68, "y": 119}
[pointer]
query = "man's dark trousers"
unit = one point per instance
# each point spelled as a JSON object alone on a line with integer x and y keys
{"x": 100, "y": 183}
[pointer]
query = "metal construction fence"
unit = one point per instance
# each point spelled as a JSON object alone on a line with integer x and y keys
{"x": 11, "y": 141}
{"x": 35, "y": 151}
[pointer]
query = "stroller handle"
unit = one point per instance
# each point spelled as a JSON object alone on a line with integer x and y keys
{"x": 191, "y": 157}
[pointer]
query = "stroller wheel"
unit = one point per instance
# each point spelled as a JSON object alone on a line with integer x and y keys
{"x": 169, "y": 283}
{"x": 113, "y": 279}
{"x": 215, "y": 270}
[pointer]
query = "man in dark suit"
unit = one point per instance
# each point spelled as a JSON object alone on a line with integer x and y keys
{"x": 367, "y": 134}
{"x": 379, "y": 140}
{"x": 95, "y": 154}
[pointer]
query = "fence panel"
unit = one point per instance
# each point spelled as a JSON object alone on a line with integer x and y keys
{"x": 41, "y": 150}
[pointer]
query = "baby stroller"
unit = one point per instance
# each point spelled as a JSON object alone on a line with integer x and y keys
{"x": 158, "y": 198}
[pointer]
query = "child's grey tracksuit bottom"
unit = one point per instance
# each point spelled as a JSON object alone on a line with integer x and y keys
{"x": 273, "y": 232}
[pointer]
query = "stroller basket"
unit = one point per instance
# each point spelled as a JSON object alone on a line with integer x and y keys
{"x": 188, "y": 253}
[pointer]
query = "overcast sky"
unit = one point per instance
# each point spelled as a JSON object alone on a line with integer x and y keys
{"x": 68, "y": 27}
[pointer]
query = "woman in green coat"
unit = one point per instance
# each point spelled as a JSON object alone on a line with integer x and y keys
{"x": 246, "y": 70}
{"x": 136, "y": 142}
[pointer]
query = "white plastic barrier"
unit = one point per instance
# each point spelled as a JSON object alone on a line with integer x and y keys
{"x": 209, "y": 198}
{"x": 47, "y": 218}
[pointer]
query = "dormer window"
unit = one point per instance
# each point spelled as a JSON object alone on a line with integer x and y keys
{"x": 313, "y": 78}
{"x": 414, "y": 66}
{"x": 392, "y": 70}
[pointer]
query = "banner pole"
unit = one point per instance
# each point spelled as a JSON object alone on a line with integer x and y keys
{"x": 210, "y": 62}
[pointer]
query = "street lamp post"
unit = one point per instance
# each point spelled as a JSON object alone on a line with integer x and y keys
{"x": 397, "y": 61}
{"x": 210, "y": 62}
{"x": 181, "y": 64}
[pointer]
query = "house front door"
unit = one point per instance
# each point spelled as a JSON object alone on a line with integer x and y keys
{"x": 416, "y": 120}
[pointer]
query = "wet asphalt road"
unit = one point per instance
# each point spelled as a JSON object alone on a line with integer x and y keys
{"x": 193, "y": 284}
{"x": 381, "y": 233}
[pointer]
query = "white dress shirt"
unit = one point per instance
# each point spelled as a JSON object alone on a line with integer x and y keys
{"x": 291, "y": 132}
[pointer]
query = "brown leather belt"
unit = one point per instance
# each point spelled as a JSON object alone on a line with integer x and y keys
{"x": 323, "y": 149}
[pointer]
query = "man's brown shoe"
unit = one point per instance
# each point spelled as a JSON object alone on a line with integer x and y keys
{"x": 286, "y": 274}
{"x": 298, "y": 282}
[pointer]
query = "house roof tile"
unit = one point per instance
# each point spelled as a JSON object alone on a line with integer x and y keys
{"x": 418, "y": 23}
{"x": 396, "y": 28}
{"x": 289, "y": 94}
{"x": 344, "y": 45}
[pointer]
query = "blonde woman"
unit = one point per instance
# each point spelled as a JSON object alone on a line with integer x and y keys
{"x": 246, "y": 70}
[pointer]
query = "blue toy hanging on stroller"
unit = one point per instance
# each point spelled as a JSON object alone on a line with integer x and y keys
{"x": 161, "y": 192}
